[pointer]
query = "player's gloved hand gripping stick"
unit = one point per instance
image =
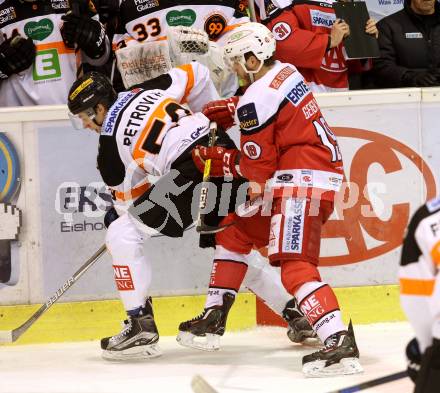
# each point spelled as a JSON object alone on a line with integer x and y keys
{"x": 201, "y": 226}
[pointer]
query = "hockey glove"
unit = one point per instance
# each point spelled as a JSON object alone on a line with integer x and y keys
{"x": 87, "y": 33}
{"x": 224, "y": 162}
{"x": 414, "y": 359}
{"x": 420, "y": 79}
{"x": 16, "y": 55}
{"x": 110, "y": 216}
{"x": 221, "y": 111}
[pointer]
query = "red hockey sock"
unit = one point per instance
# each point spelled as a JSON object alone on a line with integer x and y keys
{"x": 319, "y": 304}
{"x": 226, "y": 276}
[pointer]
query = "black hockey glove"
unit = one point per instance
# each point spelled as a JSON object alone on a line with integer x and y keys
{"x": 107, "y": 9}
{"x": 16, "y": 55}
{"x": 414, "y": 359}
{"x": 420, "y": 79}
{"x": 87, "y": 33}
{"x": 110, "y": 216}
{"x": 428, "y": 380}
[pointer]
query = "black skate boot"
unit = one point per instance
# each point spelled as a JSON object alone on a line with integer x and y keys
{"x": 299, "y": 329}
{"x": 340, "y": 356}
{"x": 138, "y": 339}
{"x": 210, "y": 325}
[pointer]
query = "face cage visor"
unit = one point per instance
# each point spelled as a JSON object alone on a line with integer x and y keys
{"x": 77, "y": 120}
{"x": 240, "y": 59}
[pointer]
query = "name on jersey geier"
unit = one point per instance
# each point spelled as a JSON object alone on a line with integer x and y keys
{"x": 143, "y": 106}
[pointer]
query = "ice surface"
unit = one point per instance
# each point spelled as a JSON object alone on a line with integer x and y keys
{"x": 260, "y": 360}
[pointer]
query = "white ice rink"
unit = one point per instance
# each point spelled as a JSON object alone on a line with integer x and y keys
{"x": 261, "y": 360}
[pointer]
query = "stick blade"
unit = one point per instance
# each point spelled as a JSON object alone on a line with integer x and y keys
{"x": 204, "y": 229}
{"x": 199, "y": 385}
{"x": 6, "y": 337}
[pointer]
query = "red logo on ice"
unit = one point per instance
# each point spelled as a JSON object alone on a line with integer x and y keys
{"x": 123, "y": 278}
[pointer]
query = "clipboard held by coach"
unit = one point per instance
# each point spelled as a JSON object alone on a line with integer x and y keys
{"x": 359, "y": 44}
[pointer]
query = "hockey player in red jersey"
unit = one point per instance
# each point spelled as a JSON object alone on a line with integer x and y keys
{"x": 287, "y": 145}
{"x": 146, "y": 132}
{"x": 310, "y": 37}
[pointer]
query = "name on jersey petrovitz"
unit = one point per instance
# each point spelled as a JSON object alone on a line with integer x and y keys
{"x": 142, "y": 105}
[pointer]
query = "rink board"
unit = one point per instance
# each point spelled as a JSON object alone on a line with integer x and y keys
{"x": 83, "y": 321}
{"x": 389, "y": 141}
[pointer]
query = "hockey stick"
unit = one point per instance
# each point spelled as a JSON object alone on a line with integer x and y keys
{"x": 10, "y": 336}
{"x": 201, "y": 226}
{"x": 199, "y": 385}
{"x": 252, "y": 14}
{"x": 373, "y": 382}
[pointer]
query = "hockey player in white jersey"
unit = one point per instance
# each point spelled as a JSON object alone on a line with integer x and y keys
{"x": 419, "y": 277}
{"x": 38, "y": 59}
{"x": 143, "y": 132}
{"x": 155, "y": 34}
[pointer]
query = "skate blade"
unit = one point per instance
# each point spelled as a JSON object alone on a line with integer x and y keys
{"x": 211, "y": 342}
{"x": 346, "y": 366}
{"x": 135, "y": 353}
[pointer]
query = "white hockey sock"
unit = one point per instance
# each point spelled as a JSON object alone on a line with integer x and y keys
{"x": 132, "y": 269}
{"x": 265, "y": 281}
{"x": 215, "y": 296}
{"x": 319, "y": 304}
{"x": 133, "y": 278}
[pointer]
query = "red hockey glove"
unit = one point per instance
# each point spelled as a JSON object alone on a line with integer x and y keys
{"x": 221, "y": 111}
{"x": 224, "y": 162}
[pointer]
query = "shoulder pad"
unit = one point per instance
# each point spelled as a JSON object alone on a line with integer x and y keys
{"x": 161, "y": 82}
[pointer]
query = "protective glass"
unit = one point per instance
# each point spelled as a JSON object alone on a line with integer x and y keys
{"x": 78, "y": 120}
{"x": 230, "y": 61}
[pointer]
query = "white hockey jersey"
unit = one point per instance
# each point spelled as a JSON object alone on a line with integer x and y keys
{"x": 148, "y": 20}
{"x": 422, "y": 242}
{"x": 419, "y": 273}
{"x": 147, "y": 129}
{"x": 54, "y": 70}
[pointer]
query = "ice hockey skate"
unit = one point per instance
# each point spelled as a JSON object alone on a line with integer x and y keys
{"x": 339, "y": 357}
{"x": 204, "y": 331}
{"x": 137, "y": 340}
{"x": 298, "y": 329}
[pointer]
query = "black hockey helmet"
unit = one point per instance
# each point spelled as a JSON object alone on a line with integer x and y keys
{"x": 91, "y": 89}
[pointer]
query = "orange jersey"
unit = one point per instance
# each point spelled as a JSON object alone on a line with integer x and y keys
{"x": 284, "y": 137}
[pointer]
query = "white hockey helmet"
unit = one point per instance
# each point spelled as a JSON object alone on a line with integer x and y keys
{"x": 250, "y": 37}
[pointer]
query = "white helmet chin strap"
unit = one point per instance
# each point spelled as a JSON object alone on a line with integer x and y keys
{"x": 249, "y": 72}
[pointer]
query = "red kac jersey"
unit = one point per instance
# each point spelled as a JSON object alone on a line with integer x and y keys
{"x": 302, "y": 31}
{"x": 284, "y": 136}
